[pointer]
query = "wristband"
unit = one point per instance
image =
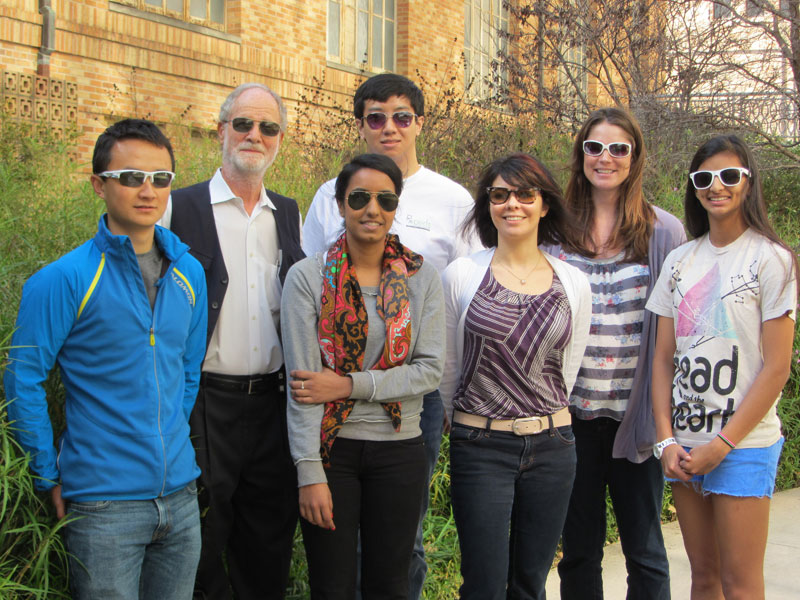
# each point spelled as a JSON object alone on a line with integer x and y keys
{"x": 658, "y": 448}
{"x": 728, "y": 443}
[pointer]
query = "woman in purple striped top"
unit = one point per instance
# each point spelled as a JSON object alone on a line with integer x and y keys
{"x": 517, "y": 323}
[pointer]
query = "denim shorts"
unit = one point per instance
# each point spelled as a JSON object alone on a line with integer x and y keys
{"x": 745, "y": 472}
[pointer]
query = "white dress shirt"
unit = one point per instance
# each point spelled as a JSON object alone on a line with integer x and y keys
{"x": 246, "y": 338}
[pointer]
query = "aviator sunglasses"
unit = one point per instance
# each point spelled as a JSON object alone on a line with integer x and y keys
{"x": 377, "y": 120}
{"x": 702, "y": 180}
{"x": 244, "y": 125}
{"x": 615, "y": 149}
{"x": 500, "y": 195}
{"x": 358, "y": 199}
{"x": 133, "y": 179}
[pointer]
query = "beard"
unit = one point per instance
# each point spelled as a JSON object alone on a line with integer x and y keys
{"x": 252, "y": 163}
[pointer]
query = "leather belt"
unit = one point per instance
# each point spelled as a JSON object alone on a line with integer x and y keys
{"x": 245, "y": 384}
{"x": 520, "y": 426}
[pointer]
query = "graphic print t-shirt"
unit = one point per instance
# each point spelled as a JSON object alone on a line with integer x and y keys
{"x": 718, "y": 298}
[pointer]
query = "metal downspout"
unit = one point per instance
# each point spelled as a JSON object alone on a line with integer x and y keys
{"x": 48, "y": 38}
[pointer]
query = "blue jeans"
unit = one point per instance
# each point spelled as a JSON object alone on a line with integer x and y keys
{"x": 431, "y": 424}
{"x": 636, "y": 492}
{"x": 502, "y": 483}
{"x": 134, "y": 549}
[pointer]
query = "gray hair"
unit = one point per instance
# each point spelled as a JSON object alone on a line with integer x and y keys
{"x": 227, "y": 106}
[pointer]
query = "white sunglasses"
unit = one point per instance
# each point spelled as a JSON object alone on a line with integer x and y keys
{"x": 729, "y": 176}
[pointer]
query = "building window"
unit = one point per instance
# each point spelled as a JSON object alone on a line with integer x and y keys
{"x": 361, "y": 33}
{"x": 754, "y": 9}
{"x": 721, "y": 11}
{"x": 573, "y": 75}
{"x": 485, "y": 42}
{"x": 203, "y": 12}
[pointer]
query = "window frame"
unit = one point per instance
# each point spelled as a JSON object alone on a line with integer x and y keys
{"x": 492, "y": 33}
{"x": 184, "y": 15}
{"x": 350, "y": 18}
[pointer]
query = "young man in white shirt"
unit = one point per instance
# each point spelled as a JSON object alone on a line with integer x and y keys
{"x": 390, "y": 111}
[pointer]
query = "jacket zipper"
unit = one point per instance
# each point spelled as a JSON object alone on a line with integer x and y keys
{"x": 158, "y": 394}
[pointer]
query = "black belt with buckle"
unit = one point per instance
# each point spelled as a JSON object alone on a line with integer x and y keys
{"x": 245, "y": 384}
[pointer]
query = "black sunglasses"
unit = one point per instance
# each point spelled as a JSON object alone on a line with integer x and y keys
{"x": 615, "y": 149}
{"x": 500, "y": 195}
{"x": 358, "y": 199}
{"x": 243, "y": 125}
{"x": 702, "y": 180}
{"x": 377, "y": 120}
{"x": 133, "y": 179}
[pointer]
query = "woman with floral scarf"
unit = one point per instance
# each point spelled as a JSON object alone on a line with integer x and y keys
{"x": 363, "y": 334}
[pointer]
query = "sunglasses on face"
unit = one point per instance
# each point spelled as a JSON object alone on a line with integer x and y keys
{"x": 500, "y": 195}
{"x": 133, "y": 179}
{"x": 358, "y": 199}
{"x": 615, "y": 149}
{"x": 702, "y": 180}
{"x": 377, "y": 120}
{"x": 244, "y": 125}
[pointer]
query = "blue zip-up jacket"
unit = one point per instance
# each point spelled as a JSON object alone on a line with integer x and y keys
{"x": 131, "y": 373}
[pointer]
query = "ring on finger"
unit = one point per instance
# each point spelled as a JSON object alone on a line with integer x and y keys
{"x": 302, "y": 385}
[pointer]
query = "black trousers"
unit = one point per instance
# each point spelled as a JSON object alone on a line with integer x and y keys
{"x": 377, "y": 487}
{"x": 248, "y": 493}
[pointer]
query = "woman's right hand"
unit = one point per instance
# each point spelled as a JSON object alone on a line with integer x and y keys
{"x": 316, "y": 505}
{"x": 671, "y": 458}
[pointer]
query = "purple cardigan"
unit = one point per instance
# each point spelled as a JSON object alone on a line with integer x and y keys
{"x": 637, "y": 432}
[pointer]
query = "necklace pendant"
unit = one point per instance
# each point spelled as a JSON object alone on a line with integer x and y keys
{"x": 522, "y": 281}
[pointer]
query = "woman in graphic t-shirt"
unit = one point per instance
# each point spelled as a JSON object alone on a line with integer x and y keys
{"x": 726, "y": 306}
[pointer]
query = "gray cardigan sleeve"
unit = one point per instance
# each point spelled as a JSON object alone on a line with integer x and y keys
{"x": 299, "y": 311}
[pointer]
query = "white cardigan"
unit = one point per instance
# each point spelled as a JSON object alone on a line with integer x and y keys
{"x": 461, "y": 280}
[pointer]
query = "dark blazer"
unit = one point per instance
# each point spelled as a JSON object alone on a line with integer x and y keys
{"x": 193, "y": 222}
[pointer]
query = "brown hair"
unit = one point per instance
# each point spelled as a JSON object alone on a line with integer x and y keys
{"x": 522, "y": 171}
{"x": 635, "y": 218}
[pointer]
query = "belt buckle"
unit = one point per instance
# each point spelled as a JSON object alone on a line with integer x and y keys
{"x": 250, "y": 383}
{"x": 522, "y": 421}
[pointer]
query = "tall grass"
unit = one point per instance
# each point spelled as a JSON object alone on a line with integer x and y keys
{"x": 48, "y": 208}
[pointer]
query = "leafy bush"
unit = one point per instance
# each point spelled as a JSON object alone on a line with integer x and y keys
{"x": 49, "y": 208}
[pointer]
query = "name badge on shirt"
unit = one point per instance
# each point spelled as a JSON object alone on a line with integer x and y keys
{"x": 418, "y": 222}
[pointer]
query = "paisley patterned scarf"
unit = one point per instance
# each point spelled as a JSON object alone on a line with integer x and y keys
{"x": 343, "y": 324}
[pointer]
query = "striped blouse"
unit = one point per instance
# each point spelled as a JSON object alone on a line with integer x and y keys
{"x": 619, "y": 291}
{"x": 514, "y": 352}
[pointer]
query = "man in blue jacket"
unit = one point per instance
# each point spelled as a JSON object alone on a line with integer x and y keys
{"x": 124, "y": 316}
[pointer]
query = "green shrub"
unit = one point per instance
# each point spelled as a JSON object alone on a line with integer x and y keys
{"x": 48, "y": 208}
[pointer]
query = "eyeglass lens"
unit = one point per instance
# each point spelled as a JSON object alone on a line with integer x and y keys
{"x": 377, "y": 120}
{"x": 615, "y": 149}
{"x": 267, "y": 128}
{"x": 500, "y": 195}
{"x": 358, "y": 199}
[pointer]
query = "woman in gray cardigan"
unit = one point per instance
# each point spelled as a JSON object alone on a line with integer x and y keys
{"x": 363, "y": 332}
{"x": 627, "y": 240}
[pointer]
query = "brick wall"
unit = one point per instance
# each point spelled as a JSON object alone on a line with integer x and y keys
{"x": 127, "y": 65}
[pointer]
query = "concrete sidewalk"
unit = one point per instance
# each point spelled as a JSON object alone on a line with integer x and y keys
{"x": 783, "y": 557}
